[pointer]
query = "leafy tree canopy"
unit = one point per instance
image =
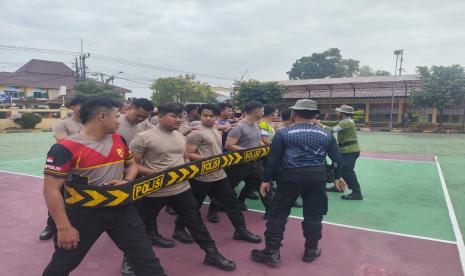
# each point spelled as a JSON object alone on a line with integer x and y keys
{"x": 253, "y": 90}
{"x": 181, "y": 89}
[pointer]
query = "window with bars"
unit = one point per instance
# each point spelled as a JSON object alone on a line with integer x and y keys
{"x": 38, "y": 94}
{"x": 12, "y": 94}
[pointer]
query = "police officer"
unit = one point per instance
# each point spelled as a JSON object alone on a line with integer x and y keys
{"x": 348, "y": 144}
{"x": 246, "y": 135}
{"x": 299, "y": 151}
{"x": 62, "y": 129}
{"x": 162, "y": 148}
{"x": 101, "y": 157}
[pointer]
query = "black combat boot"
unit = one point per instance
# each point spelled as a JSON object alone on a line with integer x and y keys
{"x": 243, "y": 234}
{"x": 270, "y": 255}
{"x": 311, "y": 251}
{"x": 352, "y": 196}
{"x": 212, "y": 216}
{"x": 126, "y": 268}
{"x": 47, "y": 233}
{"x": 160, "y": 241}
{"x": 182, "y": 236}
{"x": 214, "y": 258}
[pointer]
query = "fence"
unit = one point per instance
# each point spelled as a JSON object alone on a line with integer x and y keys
{"x": 49, "y": 116}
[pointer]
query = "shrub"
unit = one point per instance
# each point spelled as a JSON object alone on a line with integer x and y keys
{"x": 419, "y": 122}
{"x": 28, "y": 120}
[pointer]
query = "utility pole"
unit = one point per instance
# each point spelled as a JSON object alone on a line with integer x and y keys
{"x": 397, "y": 53}
{"x": 83, "y": 78}
{"x": 99, "y": 74}
{"x": 401, "y": 61}
{"x": 80, "y": 69}
{"x": 245, "y": 72}
{"x": 110, "y": 79}
{"x": 76, "y": 66}
{"x": 82, "y": 62}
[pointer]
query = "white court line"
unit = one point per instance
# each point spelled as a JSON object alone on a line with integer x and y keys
{"x": 24, "y": 174}
{"x": 453, "y": 217}
{"x": 371, "y": 230}
{"x": 325, "y": 222}
{"x": 392, "y": 159}
{"x": 367, "y": 229}
{"x": 23, "y": 160}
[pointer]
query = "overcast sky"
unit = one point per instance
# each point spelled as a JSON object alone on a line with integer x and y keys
{"x": 226, "y": 38}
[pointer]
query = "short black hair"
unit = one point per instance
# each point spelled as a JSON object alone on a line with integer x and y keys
{"x": 307, "y": 114}
{"x": 96, "y": 104}
{"x": 268, "y": 109}
{"x": 77, "y": 100}
{"x": 213, "y": 107}
{"x": 176, "y": 108}
{"x": 223, "y": 106}
{"x": 286, "y": 114}
{"x": 191, "y": 107}
{"x": 252, "y": 105}
{"x": 144, "y": 104}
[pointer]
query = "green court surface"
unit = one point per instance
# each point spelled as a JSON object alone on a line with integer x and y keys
{"x": 404, "y": 197}
{"x": 395, "y": 200}
{"x": 24, "y": 152}
{"x": 449, "y": 148}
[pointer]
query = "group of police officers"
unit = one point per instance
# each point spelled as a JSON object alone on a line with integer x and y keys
{"x": 98, "y": 146}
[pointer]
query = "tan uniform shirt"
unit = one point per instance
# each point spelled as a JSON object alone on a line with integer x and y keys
{"x": 128, "y": 130}
{"x": 161, "y": 150}
{"x": 67, "y": 127}
{"x": 208, "y": 140}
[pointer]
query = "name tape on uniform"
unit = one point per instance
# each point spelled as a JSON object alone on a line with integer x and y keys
{"x": 77, "y": 194}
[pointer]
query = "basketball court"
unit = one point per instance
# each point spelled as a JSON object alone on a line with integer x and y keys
{"x": 405, "y": 226}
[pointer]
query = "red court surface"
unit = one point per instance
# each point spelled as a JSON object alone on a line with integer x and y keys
{"x": 346, "y": 251}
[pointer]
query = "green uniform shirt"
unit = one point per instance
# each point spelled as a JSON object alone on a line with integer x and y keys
{"x": 346, "y": 132}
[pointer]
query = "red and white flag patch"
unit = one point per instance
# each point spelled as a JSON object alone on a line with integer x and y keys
{"x": 49, "y": 159}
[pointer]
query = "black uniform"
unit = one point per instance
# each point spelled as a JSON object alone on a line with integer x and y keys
{"x": 299, "y": 152}
{"x": 99, "y": 162}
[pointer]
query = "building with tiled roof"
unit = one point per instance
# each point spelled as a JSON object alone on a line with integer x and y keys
{"x": 371, "y": 94}
{"x": 38, "y": 83}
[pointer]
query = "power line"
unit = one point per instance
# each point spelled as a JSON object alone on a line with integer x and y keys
{"x": 138, "y": 77}
{"x": 123, "y": 78}
{"x": 139, "y": 64}
{"x": 115, "y": 71}
{"x": 135, "y": 81}
{"x": 110, "y": 59}
{"x": 11, "y": 63}
{"x": 136, "y": 87}
{"x": 38, "y": 50}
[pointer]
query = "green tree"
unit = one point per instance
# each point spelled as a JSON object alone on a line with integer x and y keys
{"x": 181, "y": 89}
{"x": 443, "y": 87}
{"x": 91, "y": 88}
{"x": 321, "y": 65}
{"x": 253, "y": 90}
{"x": 367, "y": 71}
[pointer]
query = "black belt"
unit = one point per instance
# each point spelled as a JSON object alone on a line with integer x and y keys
{"x": 77, "y": 193}
{"x": 348, "y": 143}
